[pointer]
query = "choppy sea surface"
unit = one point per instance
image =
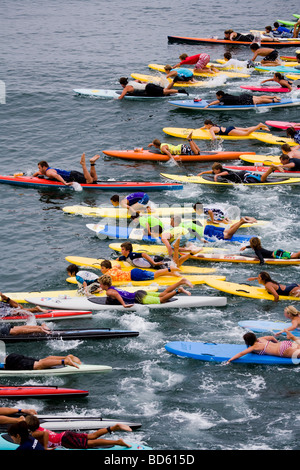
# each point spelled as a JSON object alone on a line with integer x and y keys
{"x": 47, "y": 50}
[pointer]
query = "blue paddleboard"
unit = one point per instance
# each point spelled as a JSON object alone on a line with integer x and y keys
{"x": 262, "y": 326}
{"x": 213, "y": 352}
{"x": 200, "y": 105}
{"x": 278, "y": 68}
{"x": 113, "y": 231}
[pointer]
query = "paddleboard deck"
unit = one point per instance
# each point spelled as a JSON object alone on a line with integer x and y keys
{"x": 266, "y": 89}
{"x": 214, "y": 352}
{"x": 61, "y": 370}
{"x": 261, "y": 159}
{"x": 225, "y": 73}
{"x": 115, "y": 94}
{"x": 121, "y": 213}
{"x": 283, "y": 124}
{"x": 278, "y": 68}
{"x": 246, "y": 290}
{"x": 33, "y": 182}
{"x": 99, "y": 303}
{"x": 161, "y": 249}
{"x": 204, "y": 134}
{"x": 201, "y": 105}
{"x": 194, "y": 40}
{"x": 53, "y": 315}
{"x": 263, "y": 326}
{"x": 207, "y": 179}
{"x": 146, "y": 155}
{"x": 224, "y": 258}
{"x": 262, "y": 169}
{"x": 40, "y": 391}
{"x": 70, "y": 334}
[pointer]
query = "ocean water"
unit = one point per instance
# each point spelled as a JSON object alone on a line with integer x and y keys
{"x": 47, "y": 50}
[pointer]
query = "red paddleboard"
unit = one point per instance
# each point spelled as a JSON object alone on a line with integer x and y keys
{"x": 283, "y": 124}
{"x": 49, "y": 316}
{"x": 266, "y": 89}
{"x": 147, "y": 155}
{"x": 262, "y": 169}
{"x": 40, "y": 391}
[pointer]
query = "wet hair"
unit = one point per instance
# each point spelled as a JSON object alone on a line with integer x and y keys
{"x": 105, "y": 280}
{"x": 228, "y": 31}
{"x": 43, "y": 163}
{"x": 227, "y": 55}
{"x": 123, "y": 80}
{"x": 276, "y": 24}
{"x": 217, "y": 166}
{"x": 19, "y": 429}
{"x": 292, "y": 311}
{"x": 291, "y": 131}
{"x": 249, "y": 338}
{"x": 106, "y": 264}
{"x": 72, "y": 268}
{"x": 168, "y": 67}
{"x": 265, "y": 277}
{"x": 279, "y": 75}
{"x": 208, "y": 121}
{"x": 255, "y": 243}
{"x": 286, "y": 147}
{"x": 283, "y": 156}
{"x": 32, "y": 422}
{"x": 220, "y": 93}
{"x": 268, "y": 28}
{"x": 156, "y": 142}
{"x": 198, "y": 206}
{"x": 254, "y": 46}
{"x": 127, "y": 246}
{"x": 115, "y": 198}
{"x": 183, "y": 56}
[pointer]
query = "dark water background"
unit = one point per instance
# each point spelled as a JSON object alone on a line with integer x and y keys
{"x": 49, "y": 48}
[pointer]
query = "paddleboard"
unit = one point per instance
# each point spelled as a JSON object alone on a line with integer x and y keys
{"x": 146, "y": 155}
{"x": 287, "y": 23}
{"x": 266, "y": 89}
{"x": 96, "y": 262}
{"x": 6, "y": 443}
{"x": 200, "y": 105}
{"x": 245, "y": 290}
{"x": 214, "y": 352}
{"x": 40, "y": 391}
{"x": 114, "y": 94}
{"x": 262, "y": 326}
{"x": 98, "y": 303}
{"x": 283, "y": 124}
{"x": 277, "y": 68}
{"x": 42, "y": 317}
{"x": 61, "y": 370}
{"x": 32, "y": 182}
{"x": 75, "y": 423}
{"x": 204, "y": 134}
{"x": 262, "y": 169}
{"x": 208, "y": 179}
{"x": 276, "y": 140}
{"x": 138, "y": 234}
{"x": 70, "y": 334}
{"x": 215, "y": 40}
{"x": 158, "y": 80}
{"x": 120, "y": 213}
{"x": 160, "y": 68}
{"x": 232, "y": 258}
{"x": 161, "y": 249}
{"x": 261, "y": 159}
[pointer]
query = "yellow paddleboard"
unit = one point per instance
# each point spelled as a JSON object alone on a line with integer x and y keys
{"x": 120, "y": 213}
{"x": 160, "y": 249}
{"x": 261, "y": 159}
{"x": 160, "y": 80}
{"x": 160, "y": 68}
{"x": 95, "y": 263}
{"x": 200, "y": 180}
{"x": 273, "y": 139}
{"x": 244, "y": 290}
{"x": 204, "y": 134}
{"x": 163, "y": 281}
{"x": 20, "y": 296}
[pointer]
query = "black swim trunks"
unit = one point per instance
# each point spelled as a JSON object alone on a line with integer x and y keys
{"x": 154, "y": 90}
{"x": 19, "y": 362}
{"x": 272, "y": 56}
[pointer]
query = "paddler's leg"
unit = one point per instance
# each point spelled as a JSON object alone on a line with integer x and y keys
{"x": 230, "y": 231}
{"x": 91, "y": 176}
{"x": 194, "y": 146}
{"x": 170, "y": 291}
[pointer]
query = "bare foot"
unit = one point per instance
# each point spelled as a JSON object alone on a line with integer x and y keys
{"x": 249, "y": 220}
{"x": 183, "y": 291}
{"x": 94, "y": 158}
{"x": 187, "y": 282}
{"x": 121, "y": 427}
{"x": 82, "y": 160}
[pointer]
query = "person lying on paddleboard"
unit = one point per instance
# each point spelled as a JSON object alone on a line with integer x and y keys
{"x": 267, "y": 345}
{"x": 9, "y": 306}
{"x": 181, "y": 149}
{"x": 128, "y": 299}
{"x": 214, "y": 129}
{"x": 68, "y": 177}
{"x": 244, "y": 99}
{"x": 20, "y": 434}
{"x": 200, "y": 62}
{"x": 270, "y": 56}
{"x": 231, "y": 35}
{"x": 19, "y": 362}
{"x": 291, "y": 152}
{"x": 137, "y": 88}
{"x": 134, "y": 202}
{"x": 293, "y": 315}
{"x": 275, "y": 288}
{"x": 295, "y": 135}
{"x": 230, "y": 62}
{"x": 287, "y": 163}
{"x": 215, "y": 214}
{"x": 281, "y": 80}
{"x": 238, "y": 177}
{"x": 262, "y": 253}
{"x": 117, "y": 274}
{"x": 281, "y": 31}
{"x": 269, "y": 34}
{"x": 6, "y": 412}
{"x": 72, "y": 439}
{"x": 180, "y": 74}
{"x": 87, "y": 282}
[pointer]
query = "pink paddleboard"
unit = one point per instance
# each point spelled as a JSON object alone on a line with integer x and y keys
{"x": 261, "y": 169}
{"x": 266, "y": 89}
{"x": 283, "y": 124}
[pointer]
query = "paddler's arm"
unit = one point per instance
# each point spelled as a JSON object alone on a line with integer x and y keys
{"x": 240, "y": 354}
{"x": 150, "y": 260}
{"x": 208, "y": 172}
{"x": 116, "y": 295}
{"x": 216, "y": 102}
{"x": 54, "y": 175}
{"x": 165, "y": 150}
{"x": 165, "y": 239}
{"x": 272, "y": 291}
{"x": 127, "y": 89}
